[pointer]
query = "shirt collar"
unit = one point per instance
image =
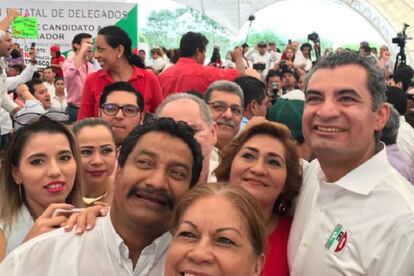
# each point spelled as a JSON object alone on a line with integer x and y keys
{"x": 363, "y": 179}
{"x": 117, "y": 246}
{"x": 186, "y": 60}
{"x": 137, "y": 73}
{"x": 158, "y": 247}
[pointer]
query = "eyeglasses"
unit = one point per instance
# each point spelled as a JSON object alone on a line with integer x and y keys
{"x": 128, "y": 110}
{"x": 28, "y": 118}
{"x": 221, "y": 107}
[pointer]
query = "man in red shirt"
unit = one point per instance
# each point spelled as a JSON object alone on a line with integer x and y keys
{"x": 189, "y": 73}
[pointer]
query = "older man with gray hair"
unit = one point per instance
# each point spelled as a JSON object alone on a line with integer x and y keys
{"x": 194, "y": 111}
{"x": 226, "y": 101}
{"x": 397, "y": 158}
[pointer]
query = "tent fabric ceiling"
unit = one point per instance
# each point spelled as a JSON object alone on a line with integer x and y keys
{"x": 232, "y": 14}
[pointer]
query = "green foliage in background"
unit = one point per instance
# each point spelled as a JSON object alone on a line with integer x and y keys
{"x": 165, "y": 28}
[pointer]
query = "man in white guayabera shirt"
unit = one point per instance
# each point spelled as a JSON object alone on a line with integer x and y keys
{"x": 355, "y": 213}
{"x": 158, "y": 163}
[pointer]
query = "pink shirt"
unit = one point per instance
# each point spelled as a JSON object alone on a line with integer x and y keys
{"x": 75, "y": 79}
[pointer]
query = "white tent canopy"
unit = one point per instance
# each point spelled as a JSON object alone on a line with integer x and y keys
{"x": 386, "y": 16}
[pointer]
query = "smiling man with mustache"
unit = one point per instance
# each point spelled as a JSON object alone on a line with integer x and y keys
{"x": 158, "y": 163}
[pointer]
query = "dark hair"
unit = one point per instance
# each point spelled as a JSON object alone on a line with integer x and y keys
{"x": 91, "y": 122}
{"x": 403, "y": 74}
{"x": 294, "y": 171}
{"x": 36, "y": 75}
{"x": 215, "y": 57}
{"x": 306, "y": 45}
{"x": 173, "y": 55}
{"x": 366, "y": 49}
{"x": 253, "y": 89}
{"x": 273, "y": 73}
{"x": 49, "y": 67}
{"x": 57, "y": 53}
{"x": 17, "y": 68}
{"x": 179, "y": 130}
{"x": 14, "y": 53}
{"x": 250, "y": 211}
{"x": 190, "y": 42}
{"x": 115, "y": 36}
{"x": 398, "y": 98}
{"x": 375, "y": 75}
{"x": 58, "y": 79}
{"x": 31, "y": 83}
{"x": 77, "y": 39}
{"x": 121, "y": 86}
{"x": 156, "y": 51}
{"x": 9, "y": 193}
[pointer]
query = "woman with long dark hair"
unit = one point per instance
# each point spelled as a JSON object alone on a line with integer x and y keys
{"x": 114, "y": 54}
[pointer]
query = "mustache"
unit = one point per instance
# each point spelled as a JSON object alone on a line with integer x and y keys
{"x": 222, "y": 121}
{"x": 159, "y": 196}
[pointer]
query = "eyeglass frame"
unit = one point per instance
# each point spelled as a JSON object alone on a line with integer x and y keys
{"x": 120, "y": 107}
{"x": 231, "y": 106}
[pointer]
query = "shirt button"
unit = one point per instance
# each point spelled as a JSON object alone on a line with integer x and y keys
{"x": 305, "y": 244}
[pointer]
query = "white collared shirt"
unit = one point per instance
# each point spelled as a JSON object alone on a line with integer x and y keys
{"x": 100, "y": 252}
{"x": 214, "y": 162}
{"x": 50, "y": 88}
{"x": 363, "y": 224}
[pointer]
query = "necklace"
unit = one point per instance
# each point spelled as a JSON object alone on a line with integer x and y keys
{"x": 90, "y": 200}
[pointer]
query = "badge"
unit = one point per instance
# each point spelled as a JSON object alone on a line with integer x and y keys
{"x": 338, "y": 239}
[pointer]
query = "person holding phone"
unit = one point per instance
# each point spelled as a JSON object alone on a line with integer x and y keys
{"x": 158, "y": 163}
{"x": 36, "y": 178}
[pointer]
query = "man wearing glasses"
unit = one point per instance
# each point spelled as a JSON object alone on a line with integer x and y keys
{"x": 122, "y": 107}
{"x": 225, "y": 100}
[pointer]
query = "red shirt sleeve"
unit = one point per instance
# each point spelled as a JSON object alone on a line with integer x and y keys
{"x": 215, "y": 73}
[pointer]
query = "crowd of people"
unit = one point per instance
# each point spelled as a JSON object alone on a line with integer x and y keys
{"x": 265, "y": 163}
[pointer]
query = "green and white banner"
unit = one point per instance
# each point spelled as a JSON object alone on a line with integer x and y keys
{"x": 59, "y": 22}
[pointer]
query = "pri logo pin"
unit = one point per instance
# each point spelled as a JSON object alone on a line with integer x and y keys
{"x": 338, "y": 239}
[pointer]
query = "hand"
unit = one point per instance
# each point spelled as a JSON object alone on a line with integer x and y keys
{"x": 32, "y": 54}
{"x": 46, "y": 223}
{"x": 21, "y": 90}
{"x": 13, "y": 13}
{"x": 86, "y": 219}
{"x": 252, "y": 73}
{"x": 86, "y": 47}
